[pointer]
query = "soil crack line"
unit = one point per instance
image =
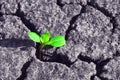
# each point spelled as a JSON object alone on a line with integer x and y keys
{"x": 106, "y": 13}
{"x": 59, "y": 3}
{"x": 99, "y": 65}
{"x": 1, "y": 14}
{"x": 26, "y": 22}
{"x": 60, "y": 58}
{"x": 24, "y": 70}
{"x": 72, "y": 21}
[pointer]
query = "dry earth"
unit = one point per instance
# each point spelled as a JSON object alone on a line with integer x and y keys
{"x": 91, "y": 29}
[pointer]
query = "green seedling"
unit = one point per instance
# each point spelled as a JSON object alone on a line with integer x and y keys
{"x": 44, "y": 39}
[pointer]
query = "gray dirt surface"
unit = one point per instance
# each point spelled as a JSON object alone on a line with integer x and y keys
{"x": 91, "y": 29}
{"x": 112, "y": 69}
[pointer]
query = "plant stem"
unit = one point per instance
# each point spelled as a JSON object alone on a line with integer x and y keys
{"x": 41, "y": 56}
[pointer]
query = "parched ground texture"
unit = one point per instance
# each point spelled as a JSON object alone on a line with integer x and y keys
{"x": 91, "y": 29}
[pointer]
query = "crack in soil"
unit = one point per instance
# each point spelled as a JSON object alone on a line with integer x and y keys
{"x": 99, "y": 68}
{"x": 24, "y": 70}
{"x": 59, "y": 3}
{"x": 92, "y": 77}
{"x": 117, "y": 54}
{"x": 72, "y": 21}
{"x": 1, "y": 14}
{"x": 59, "y": 58}
{"x": 106, "y": 13}
{"x": 99, "y": 65}
{"x": 26, "y": 22}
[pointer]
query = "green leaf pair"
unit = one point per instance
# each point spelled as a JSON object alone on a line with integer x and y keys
{"x": 44, "y": 39}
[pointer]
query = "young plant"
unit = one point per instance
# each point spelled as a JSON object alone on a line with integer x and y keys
{"x": 44, "y": 39}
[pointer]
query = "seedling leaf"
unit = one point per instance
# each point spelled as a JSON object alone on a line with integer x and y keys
{"x": 33, "y": 36}
{"x": 45, "y": 36}
{"x": 57, "y": 41}
{"x": 47, "y": 43}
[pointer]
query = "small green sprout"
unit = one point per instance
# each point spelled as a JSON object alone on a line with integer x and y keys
{"x": 44, "y": 39}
